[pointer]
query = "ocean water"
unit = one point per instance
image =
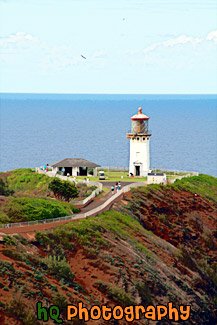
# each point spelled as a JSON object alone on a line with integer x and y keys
{"x": 36, "y": 129}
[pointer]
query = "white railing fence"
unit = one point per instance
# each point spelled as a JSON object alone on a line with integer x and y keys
{"x": 36, "y": 222}
{"x": 77, "y": 216}
{"x": 94, "y": 193}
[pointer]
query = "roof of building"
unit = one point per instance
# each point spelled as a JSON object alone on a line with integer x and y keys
{"x": 74, "y": 162}
{"x": 139, "y": 116}
{"x": 156, "y": 174}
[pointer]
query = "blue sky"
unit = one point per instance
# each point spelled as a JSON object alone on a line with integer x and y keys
{"x": 131, "y": 46}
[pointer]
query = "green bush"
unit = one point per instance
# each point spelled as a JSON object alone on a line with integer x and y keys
{"x": 6, "y": 289}
{"x": 61, "y": 301}
{"x": 17, "y": 309}
{"x": 116, "y": 294}
{"x": 9, "y": 241}
{"x": 26, "y": 209}
{"x": 4, "y": 190}
{"x": 12, "y": 254}
{"x": 144, "y": 293}
{"x": 204, "y": 185}
{"x": 58, "y": 267}
{"x": 25, "y": 181}
{"x": 63, "y": 190}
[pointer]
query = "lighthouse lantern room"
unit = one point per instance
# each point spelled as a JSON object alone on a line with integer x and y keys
{"x": 139, "y": 145}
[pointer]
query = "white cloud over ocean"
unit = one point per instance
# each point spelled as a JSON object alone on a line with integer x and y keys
{"x": 181, "y": 40}
{"x": 19, "y": 39}
{"x": 212, "y": 36}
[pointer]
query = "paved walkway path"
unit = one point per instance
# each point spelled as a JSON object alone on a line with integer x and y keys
{"x": 88, "y": 210}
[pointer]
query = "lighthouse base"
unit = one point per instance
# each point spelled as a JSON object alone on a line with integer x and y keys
{"x": 137, "y": 169}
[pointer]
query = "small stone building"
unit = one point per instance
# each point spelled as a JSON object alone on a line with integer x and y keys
{"x": 157, "y": 178}
{"x": 75, "y": 167}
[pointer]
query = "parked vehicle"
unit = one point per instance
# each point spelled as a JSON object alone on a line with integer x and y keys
{"x": 101, "y": 175}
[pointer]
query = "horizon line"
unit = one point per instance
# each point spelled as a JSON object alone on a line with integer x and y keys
{"x": 53, "y": 93}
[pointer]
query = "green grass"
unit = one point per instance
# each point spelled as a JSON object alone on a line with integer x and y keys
{"x": 105, "y": 190}
{"x": 28, "y": 209}
{"x": 203, "y": 185}
{"x": 115, "y": 176}
{"x": 25, "y": 182}
{"x": 115, "y": 293}
{"x": 88, "y": 233}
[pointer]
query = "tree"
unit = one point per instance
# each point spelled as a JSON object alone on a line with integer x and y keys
{"x": 63, "y": 190}
{"x": 4, "y": 190}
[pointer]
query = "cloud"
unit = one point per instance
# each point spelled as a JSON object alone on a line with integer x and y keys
{"x": 99, "y": 54}
{"x": 212, "y": 36}
{"x": 19, "y": 39}
{"x": 180, "y": 40}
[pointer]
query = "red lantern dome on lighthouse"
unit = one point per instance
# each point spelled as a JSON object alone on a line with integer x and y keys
{"x": 139, "y": 116}
{"x": 139, "y": 123}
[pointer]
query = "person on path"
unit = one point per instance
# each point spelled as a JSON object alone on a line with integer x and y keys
{"x": 112, "y": 189}
{"x": 63, "y": 171}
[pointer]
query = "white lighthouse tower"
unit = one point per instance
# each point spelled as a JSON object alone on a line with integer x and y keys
{"x": 139, "y": 145}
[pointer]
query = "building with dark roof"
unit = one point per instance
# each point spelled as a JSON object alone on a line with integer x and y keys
{"x": 75, "y": 167}
{"x": 156, "y": 178}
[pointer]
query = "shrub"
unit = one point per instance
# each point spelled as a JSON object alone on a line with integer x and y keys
{"x": 12, "y": 254}
{"x": 116, "y": 294}
{"x": 6, "y": 289}
{"x": 144, "y": 293}
{"x": 26, "y": 182}
{"x": 39, "y": 277}
{"x": 4, "y": 190}
{"x": 185, "y": 257}
{"x": 6, "y": 266}
{"x": 23, "y": 313}
{"x": 9, "y": 241}
{"x": 61, "y": 301}
{"x": 28, "y": 209}
{"x": 63, "y": 190}
{"x": 58, "y": 267}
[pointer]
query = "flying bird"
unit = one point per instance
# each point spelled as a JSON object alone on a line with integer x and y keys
{"x": 83, "y": 57}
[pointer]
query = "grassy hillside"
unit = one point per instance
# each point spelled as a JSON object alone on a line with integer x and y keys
{"x": 159, "y": 247}
{"x": 25, "y": 196}
{"x": 203, "y": 185}
{"x": 26, "y": 209}
{"x": 29, "y": 198}
{"x": 25, "y": 182}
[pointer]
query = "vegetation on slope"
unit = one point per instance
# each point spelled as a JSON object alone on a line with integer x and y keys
{"x": 203, "y": 185}
{"x": 26, "y": 196}
{"x": 29, "y": 209}
{"x": 25, "y": 182}
{"x": 160, "y": 248}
